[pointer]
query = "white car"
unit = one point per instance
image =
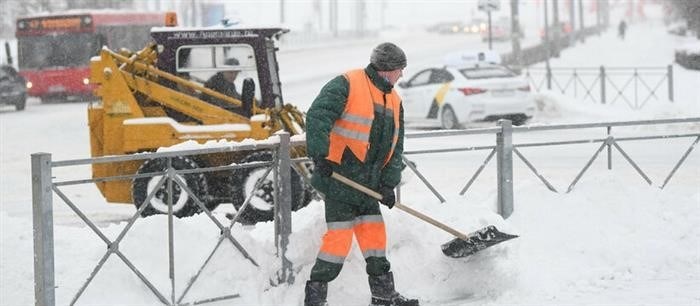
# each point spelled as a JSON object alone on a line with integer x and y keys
{"x": 468, "y": 92}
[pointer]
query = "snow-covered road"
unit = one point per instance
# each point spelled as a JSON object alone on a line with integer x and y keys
{"x": 612, "y": 240}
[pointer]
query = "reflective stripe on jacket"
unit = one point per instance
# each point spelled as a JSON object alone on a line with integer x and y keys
{"x": 352, "y": 129}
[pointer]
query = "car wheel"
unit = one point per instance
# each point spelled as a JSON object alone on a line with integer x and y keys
{"x": 183, "y": 204}
{"x": 519, "y": 119}
{"x": 261, "y": 206}
{"x": 21, "y": 103}
{"x": 449, "y": 118}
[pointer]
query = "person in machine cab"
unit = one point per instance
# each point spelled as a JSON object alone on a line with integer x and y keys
{"x": 223, "y": 82}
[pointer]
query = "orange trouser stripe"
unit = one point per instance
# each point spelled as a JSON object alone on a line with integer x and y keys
{"x": 369, "y": 231}
{"x": 371, "y": 236}
{"x": 337, "y": 242}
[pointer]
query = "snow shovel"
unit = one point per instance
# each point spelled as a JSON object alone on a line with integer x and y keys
{"x": 462, "y": 246}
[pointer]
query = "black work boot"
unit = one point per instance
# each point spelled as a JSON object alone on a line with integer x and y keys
{"x": 384, "y": 294}
{"x": 316, "y": 293}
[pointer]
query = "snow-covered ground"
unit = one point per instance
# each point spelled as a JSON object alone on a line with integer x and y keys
{"x": 614, "y": 240}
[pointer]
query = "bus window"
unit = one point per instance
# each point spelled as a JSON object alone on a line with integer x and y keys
{"x": 54, "y": 50}
{"x": 65, "y": 50}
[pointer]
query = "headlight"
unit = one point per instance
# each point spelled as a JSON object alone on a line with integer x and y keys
{"x": 86, "y": 81}
{"x": 29, "y": 85}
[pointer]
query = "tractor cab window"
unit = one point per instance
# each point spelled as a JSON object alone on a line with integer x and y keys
{"x": 222, "y": 68}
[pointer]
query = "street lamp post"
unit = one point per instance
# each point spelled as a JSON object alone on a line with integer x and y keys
{"x": 556, "y": 28}
{"x": 547, "y": 44}
{"x": 282, "y": 11}
{"x": 488, "y": 6}
{"x": 515, "y": 32}
{"x": 489, "y": 14}
{"x": 580, "y": 20}
{"x": 572, "y": 23}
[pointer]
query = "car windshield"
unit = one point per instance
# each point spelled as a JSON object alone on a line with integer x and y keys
{"x": 63, "y": 50}
{"x": 487, "y": 72}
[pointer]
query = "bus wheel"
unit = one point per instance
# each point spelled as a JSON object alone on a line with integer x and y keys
{"x": 183, "y": 204}
{"x": 261, "y": 206}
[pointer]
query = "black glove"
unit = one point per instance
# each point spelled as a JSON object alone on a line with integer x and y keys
{"x": 323, "y": 167}
{"x": 388, "y": 197}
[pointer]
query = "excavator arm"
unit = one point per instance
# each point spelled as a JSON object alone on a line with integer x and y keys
{"x": 139, "y": 74}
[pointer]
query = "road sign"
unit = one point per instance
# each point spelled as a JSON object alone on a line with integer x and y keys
{"x": 489, "y": 5}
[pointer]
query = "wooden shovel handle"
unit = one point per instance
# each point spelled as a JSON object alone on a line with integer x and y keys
{"x": 400, "y": 206}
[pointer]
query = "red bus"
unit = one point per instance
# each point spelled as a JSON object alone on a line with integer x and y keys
{"x": 54, "y": 50}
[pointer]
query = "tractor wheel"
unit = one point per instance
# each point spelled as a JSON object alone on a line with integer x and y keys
{"x": 183, "y": 204}
{"x": 261, "y": 207}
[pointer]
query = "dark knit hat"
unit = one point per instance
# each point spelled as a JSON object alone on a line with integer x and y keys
{"x": 231, "y": 61}
{"x": 387, "y": 56}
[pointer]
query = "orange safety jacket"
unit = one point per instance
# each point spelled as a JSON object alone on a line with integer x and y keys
{"x": 353, "y": 128}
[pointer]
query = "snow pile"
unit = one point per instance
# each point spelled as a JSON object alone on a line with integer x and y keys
{"x": 572, "y": 247}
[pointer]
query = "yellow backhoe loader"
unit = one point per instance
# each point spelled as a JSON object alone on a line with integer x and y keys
{"x": 156, "y": 98}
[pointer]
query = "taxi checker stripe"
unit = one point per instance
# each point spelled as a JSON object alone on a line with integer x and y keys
{"x": 356, "y": 119}
{"x": 441, "y": 93}
{"x": 350, "y": 134}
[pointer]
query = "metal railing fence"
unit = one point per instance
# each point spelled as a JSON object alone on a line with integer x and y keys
{"x": 634, "y": 86}
{"x": 44, "y": 186}
{"x": 504, "y": 150}
{"x": 506, "y": 146}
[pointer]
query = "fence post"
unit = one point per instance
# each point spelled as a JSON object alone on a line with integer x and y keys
{"x": 549, "y": 76}
{"x": 670, "y": 82}
{"x": 283, "y": 207}
{"x": 42, "y": 203}
{"x": 504, "y": 168}
{"x": 609, "y": 147}
{"x": 602, "y": 84}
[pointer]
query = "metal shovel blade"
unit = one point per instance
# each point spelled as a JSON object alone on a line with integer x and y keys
{"x": 475, "y": 242}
